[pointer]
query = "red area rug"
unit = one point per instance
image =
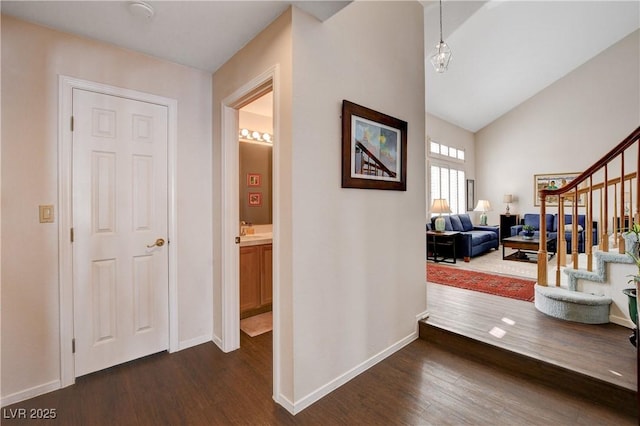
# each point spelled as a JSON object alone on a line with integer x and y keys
{"x": 499, "y": 285}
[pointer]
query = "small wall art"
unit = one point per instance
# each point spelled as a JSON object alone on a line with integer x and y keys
{"x": 254, "y": 199}
{"x": 374, "y": 149}
{"x": 253, "y": 179}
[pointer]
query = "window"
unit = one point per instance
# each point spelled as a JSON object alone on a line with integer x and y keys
{"x": 439, "y": 150}
{"x": 449, "y": 183}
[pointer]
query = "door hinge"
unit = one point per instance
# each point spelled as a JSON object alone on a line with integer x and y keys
{"x": 73, "y": 345}
{"x": 71, "y": 234}
{"x": 72, "y": 123}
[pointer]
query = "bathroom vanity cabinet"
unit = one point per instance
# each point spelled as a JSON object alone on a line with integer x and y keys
{"x": 256, "y": 282}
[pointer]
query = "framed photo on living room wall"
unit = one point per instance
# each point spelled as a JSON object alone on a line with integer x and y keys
{"x": 553, "y": 181}
{"x": 471, "y": 194}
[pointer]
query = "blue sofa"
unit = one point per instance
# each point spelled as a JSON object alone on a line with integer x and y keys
{"x": 472, "y": 240}
{"x": 552, "y": 220}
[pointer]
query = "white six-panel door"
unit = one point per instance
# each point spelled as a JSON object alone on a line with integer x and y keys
{"x": 120, "y": 256}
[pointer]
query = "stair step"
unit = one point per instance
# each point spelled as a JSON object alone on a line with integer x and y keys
{"x": 536, "y": 370}
{"x": 599, "y": 275}
{"x": 572, "y": 305}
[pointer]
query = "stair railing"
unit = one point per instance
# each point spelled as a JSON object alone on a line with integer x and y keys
{"x": 589, "y": 192}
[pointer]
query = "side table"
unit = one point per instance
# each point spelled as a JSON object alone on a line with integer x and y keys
{"x": 442, "y": 246}
{"x": 506, "y": 222}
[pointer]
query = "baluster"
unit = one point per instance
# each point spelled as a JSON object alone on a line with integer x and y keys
{"x": 588, "y": 240}
{"x": 621, "y": 243}
{"x": 637, "y": 207}
{"x": 574, "y": 230}
{"x": 561, "y": 238}
{"x": 615, "y": 215}
{"x": 559, "y": 242}
{"x": 604, "y": 235}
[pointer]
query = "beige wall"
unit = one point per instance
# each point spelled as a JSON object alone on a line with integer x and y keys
{"x": 270, "y": 48}
{"x": 32, "y": 59}
{"x": 565, "y": 128}
{"x": 358, "y": 267}
{"x": 351, "y": 261}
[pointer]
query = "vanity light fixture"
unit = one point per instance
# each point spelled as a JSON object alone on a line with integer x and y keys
{"x": 254, "y": 136}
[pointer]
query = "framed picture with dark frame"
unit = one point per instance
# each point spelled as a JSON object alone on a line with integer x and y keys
{"x": 471, "y": 194}
{"x": 374, "y": 149}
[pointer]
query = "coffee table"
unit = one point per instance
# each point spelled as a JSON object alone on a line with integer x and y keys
{"x": 526, "y": 248}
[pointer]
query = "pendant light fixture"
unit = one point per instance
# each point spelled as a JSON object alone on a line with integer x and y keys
{"x": 141, "y": 10}
{"x": 440, "y": 60}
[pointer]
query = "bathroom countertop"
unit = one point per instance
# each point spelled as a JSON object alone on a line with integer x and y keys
{"x": 255, "y": 239}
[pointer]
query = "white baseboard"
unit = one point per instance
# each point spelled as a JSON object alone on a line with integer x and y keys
{"x": 185, "y": 344}
{"x": 30, "y": 393}
{"x": 285, "y": 403}
{"x": 422, "y": 315}
{"x": 218, "y": 341}
{"x": 316, "y": 395}
{"x": 622, "y": 321}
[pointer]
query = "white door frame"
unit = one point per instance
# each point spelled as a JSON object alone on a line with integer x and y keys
{"x": 231, "y": 216}
{"x": 65, "y": 193}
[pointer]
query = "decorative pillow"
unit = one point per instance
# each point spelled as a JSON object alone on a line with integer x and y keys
{"x": 467, "y": 225}
{"x": 456, "y": 224}
{"x": 532, "y": 220}
{"x": 569, "y": 228}
{"x": 447, "y": 223}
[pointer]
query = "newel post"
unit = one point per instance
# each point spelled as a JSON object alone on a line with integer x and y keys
{"x": 542, "y": 248}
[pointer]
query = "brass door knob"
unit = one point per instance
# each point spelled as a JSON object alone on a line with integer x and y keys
{"x": 159, "y": 243}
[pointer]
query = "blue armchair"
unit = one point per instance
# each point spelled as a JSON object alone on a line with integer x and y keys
{"x": 552, "y": 220}
{"x": 472, "y": 240}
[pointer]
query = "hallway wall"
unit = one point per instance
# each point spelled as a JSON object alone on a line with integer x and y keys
{"x": 32, "y": 59}
{"x": 358, "y": 266}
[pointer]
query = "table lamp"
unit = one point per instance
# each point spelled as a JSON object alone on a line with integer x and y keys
{"x": 483, "y": 206}
{"x": 508, "y": 198}
{"x": 440, "y": 205}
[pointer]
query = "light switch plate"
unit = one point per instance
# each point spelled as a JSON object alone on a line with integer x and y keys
{"x": 46, "y": 214}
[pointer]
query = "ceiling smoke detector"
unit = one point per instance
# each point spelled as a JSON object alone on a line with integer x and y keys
{"x": 142, "y": 10}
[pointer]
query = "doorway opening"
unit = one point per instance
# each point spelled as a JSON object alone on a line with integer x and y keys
{"x": 255, "y": 165}
{"x": 266, "y": 82}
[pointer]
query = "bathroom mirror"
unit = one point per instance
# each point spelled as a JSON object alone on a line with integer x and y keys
{"x": 255, "y": 137}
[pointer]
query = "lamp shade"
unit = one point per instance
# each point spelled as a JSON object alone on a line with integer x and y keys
{"x": 483, "y": 206}
{"x": 440, "y": 205}
{"x": 508, "y": 198}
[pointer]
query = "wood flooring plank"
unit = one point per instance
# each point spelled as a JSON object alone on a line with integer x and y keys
{"x": 602, "y": 351}
{"x": 421, "y": 384}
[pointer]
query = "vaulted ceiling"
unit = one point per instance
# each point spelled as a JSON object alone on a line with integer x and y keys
{"x": 504, "y": 52}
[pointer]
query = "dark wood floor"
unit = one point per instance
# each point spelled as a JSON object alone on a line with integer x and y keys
{"x": 421, "y": 384}
{"x": 602, "y": 351}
